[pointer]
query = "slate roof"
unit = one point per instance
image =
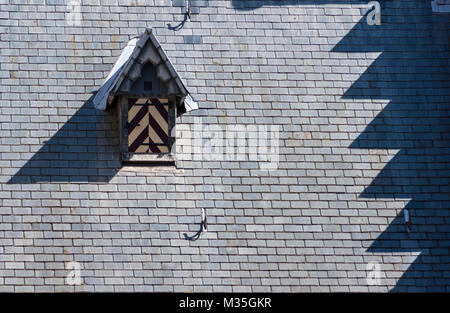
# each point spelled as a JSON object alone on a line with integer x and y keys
{"x": 363, "y": 113}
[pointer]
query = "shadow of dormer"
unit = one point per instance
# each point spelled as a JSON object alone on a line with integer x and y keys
{"x": 84, "y": 149}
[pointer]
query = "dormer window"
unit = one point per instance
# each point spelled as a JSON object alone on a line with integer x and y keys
{"x": 149, "y": 94}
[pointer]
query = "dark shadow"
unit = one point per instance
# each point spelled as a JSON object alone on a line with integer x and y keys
{"x": 255, "y": 4}
{"x": 196, "y": 236}
{"x": 247, "y": 5}
{"x": 84, "y": 149}
{"x": 413, "y": 73}
{"x": 180, "y": 25}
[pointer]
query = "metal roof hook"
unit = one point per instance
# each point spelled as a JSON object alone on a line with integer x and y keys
{"x": 186, "y": 15}
{"x": 189, "y": 8}
{"x": 204, "y": 224}
{"x": 407, "y": 220}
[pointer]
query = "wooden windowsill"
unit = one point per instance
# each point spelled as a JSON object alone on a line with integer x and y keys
{"x": 147, "y": 158}
{"x": 152, "y": 168}
{"x": 149, "y": 163}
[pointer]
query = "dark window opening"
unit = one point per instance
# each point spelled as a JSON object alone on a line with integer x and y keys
{"x": 148, "y": 86}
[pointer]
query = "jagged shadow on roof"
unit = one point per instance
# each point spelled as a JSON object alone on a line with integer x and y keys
{"x": 84, "y": 149}
{"x": 413, "y": 74}
{"x": 429, "y": 237}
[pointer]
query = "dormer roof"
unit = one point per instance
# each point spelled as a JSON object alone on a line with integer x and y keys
{"x": 129, "y": 68}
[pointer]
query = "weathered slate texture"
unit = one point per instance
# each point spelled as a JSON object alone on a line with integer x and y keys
{"x": 309, "y": 226}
